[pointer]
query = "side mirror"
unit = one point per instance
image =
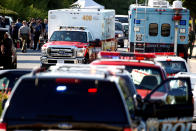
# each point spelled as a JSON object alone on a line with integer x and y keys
{"x": 138, "y": 100}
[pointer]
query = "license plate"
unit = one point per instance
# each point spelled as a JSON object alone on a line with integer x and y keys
{"x": 60, "y": 61}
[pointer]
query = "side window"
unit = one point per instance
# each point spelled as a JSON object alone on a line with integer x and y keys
{"x": 90, "y": 36}
{"x": 126, "y": 94}
{"x": 4, "y": 82}
{"x": 153, "y": 29}
{"x": 172, "y": 92}
{"x": 165, "y": 30}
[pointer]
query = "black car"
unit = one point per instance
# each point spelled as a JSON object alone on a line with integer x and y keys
{"x": 13, "y": 64}
{"x": 61, "y": 99}
{"x": 119, "y": 33}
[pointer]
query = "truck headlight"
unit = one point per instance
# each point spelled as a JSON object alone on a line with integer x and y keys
{"x": 80, "y": 52}
{"x": 120, "y": 35}
{"x": 44, "y": 51}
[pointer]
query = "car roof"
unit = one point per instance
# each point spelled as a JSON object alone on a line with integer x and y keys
{"x": 142, "y": 63}
{"x": 172, "y": 58}
{"x": 121, "y": 16}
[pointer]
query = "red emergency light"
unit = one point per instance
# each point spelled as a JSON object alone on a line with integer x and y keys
{"x": 126, "y": 55}
{"x": 164, "y": 53}
{"x": 177, "y": 17}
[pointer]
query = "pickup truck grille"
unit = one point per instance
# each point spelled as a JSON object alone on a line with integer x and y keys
{"x": 61, "y": 52}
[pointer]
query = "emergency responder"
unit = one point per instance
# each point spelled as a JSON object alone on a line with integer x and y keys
{"x": 25, "y": 34}
{"x": 191, "y": 40}
{"x": 6, "y": 51}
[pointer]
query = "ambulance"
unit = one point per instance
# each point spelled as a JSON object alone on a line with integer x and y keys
{"x": 77, "y": 35}
{"x": 159, "y": 27}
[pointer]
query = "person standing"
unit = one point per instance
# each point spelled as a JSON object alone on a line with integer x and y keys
{"x": 32, "y": 28}
{"x": 191, "y": 40}
{"x": 25, "y": 34}
{"x": 45, "y": 32}
{"x": 6, "y": 51}
{"x": 38, "y": 31}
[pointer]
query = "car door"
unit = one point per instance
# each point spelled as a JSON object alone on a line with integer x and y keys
{"x": 170, "y": 105}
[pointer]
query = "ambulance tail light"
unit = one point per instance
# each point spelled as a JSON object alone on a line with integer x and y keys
{"x": 165, "y": 53}
{"x": 181, "y": 54}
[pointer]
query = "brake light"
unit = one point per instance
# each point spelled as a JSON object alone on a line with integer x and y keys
{"x": 92, "y": 90}
{"x": 127, "y": 129}
{"x": 3, "y": 126}
{"x": 181, "y": 54}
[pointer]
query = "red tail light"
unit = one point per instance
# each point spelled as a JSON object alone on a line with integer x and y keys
{"x": 181, "y": 54}
{"x": 127, "y": 129}
{"x": 92, "y": 90}
{"x": 3, "y": 127}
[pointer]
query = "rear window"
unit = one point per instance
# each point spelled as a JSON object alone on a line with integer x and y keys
{"x": 122, "y": 19}
{"x": 153, "y": 29}
{"x": 68, "y": 100}
{"x": 173, "y": 67}
{"x": 165, "y": 30}
{"x": 145, "y": 78}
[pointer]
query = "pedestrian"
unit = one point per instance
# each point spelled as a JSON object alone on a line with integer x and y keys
{"x": 25, "y": 34}
{"x": 38, "y": 31}
{"x": 191, "y": 40}
{"x": 3, "y": 22}
{"x": 32, "y": 26}
{"x": 16, "y": 28}
{"x": 45, "y": 29}
{"x": 6, "y": 50}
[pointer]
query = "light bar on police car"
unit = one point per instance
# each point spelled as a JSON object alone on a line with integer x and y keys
{"x": 125, "y": 55}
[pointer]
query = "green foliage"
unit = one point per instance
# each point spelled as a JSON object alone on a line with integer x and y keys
{"x": 2, "y": 97}
{"x": 5, "y": 11}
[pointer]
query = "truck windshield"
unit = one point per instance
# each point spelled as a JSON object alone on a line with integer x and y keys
{"x": 76, "y": 36}
{"x": 118, "y": 26}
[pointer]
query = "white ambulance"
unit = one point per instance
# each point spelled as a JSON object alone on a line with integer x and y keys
{"x": 77, "y": 35}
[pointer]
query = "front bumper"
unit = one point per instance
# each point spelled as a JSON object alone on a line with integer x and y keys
{"x": 52, "y": 61}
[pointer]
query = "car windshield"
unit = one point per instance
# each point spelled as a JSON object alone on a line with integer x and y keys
{"x": 118, "y": 26}
{"x": 173, "y": 67}
{"x": 145, "y": 78}
{"x": 126, "y": 27}
{"x": 122, "y": 19}
{"x": 75, "y": 36}
{"x": 73, "y": 100}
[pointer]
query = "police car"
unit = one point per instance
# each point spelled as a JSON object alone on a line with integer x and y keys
{"x": 69, "y": 98}
{"x": 192, "y": 77}
{"x": 141, "y": 70}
